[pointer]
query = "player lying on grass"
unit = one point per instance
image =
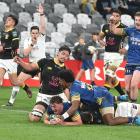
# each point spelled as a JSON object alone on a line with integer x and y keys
{"x": 85, "y": 93}
{"x": 124, "y": 109}
{"x": 57, "y": 107}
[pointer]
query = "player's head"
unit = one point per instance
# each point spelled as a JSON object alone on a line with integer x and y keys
{"x": 63, "y": 53}
{"x": 116, "y": 14}
{"x": 65, "y": 78}
{"x": 137, "y": 20}
{"x": 56, "y": 104}
{"x": 87, "y": 117}
{"x": 11, "y": 21}
{"x": 34, "y": 31}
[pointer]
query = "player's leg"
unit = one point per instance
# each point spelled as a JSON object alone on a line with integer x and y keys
{"x": 80, "y": 73}
{"x": 2, "y": 73}
{"x": 109, "y": 119}
{"x": 37, "y": 112}
{"x": 21, "y": 82}
{"x": 134, "y": 85}
{"x": 128, "y": 76}
{"x": 42, "y": 102}
{"x": 119, "y": 89}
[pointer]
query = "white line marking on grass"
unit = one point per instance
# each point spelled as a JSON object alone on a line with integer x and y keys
{"x": 20, "y": 111}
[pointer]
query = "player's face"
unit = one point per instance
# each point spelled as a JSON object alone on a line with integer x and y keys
{"x": 34, "y": 33}
{"x": 63, "y": 56}
{"x": 57, "y": 108}
{"x": 9, "y": 22}
{"x": 137, "y": 22}
{"x": 117, "y": 17}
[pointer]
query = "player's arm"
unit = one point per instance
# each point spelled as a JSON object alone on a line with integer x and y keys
{"x": 27, "y": 48}
{"x": 42, "y": 27}
{"x": 100, "y": 39}
{"x": 74, "y": 107}
{"x": 76, "y": 120}
{"x": 26, "y": 66}
{"x": 46, "y": 119}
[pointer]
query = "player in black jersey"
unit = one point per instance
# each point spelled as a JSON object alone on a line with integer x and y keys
{"x": 113, "y": 44}
{"x": 49, "y": 69}
{"x": 9, "y": 43}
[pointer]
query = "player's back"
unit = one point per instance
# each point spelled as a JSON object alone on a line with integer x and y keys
{"x": 83, "y": 91}
{"x": 87, "y": 93}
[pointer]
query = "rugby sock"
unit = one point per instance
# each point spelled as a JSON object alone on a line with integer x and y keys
{"x": 119, "y": 89}
{"x": 133, "y": 100}
{"x": 15, "y": 90}
{"x": 25, "y": 87}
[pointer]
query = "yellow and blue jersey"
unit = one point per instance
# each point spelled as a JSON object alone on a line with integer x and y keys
{"x": 89, "y": 94}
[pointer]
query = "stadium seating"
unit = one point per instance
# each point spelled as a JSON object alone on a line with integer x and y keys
{"x": 63, "y": 28}
{"x": 37, "y": 1}
{"x": 54, "y": 18}
{"x": 71, "y": 38}
{"x": 16, "y": 8}
{"x": 30, "y": 8}
{"x": 50, "y": 28}
{"x": 23, "y": 2}
{"x": 69, "y": 19}
{"x": 83, "y": 19}
{"x": 74, "y": 9}
{"x": 78, "y": 29}
{"x": 92, "y": 28}
{"x": 4, "y": 8}
{"x": 57, "y": 37}
{"x": 9, "y": 1}
{"x": 30, "y": 24}
{"x": 24, "y": 18}
{"x": 47, "y": 9}
{"x": 51, "y": 48}
{"x": 59, "y": 9}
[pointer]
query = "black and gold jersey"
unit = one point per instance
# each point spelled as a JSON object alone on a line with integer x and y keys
{"x": 10, "y": 42}
{"x": 113, "y": 41}
{"x": 49, "y": 78}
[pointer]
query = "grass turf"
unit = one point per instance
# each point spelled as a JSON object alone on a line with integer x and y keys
{"x": 14, "y": 124}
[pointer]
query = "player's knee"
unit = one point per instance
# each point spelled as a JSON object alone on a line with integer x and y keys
{"x": 35, "y": 115}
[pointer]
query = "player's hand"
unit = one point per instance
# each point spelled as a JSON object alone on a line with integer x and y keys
{"x": 122, "y": 51}
{"x": 34, "y": 40}
{"x": 40, "y": 9}
{"x": 17, "y": 59}
{"x": 102, "y": 43}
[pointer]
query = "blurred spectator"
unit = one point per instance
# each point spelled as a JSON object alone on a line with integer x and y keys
{"x": 103, "y": 7}
{"x": 88, "y": 7}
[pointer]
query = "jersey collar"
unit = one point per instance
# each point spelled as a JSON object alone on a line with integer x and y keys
{"x": 58, "y": 63}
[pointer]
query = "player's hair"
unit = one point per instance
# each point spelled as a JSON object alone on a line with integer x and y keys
{"x": 137, "y": 13}
{"x": 34, "y": 28}
{"x": 66, "y": 75}
{"x": 56, "y": 99}
{"x": 87, "y": 117}
{"x": 116, "y": 11}
{"x": 14, "y": 18}
{"x": 65, "y": 48}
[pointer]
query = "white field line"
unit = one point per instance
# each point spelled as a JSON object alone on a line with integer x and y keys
{"x": 12, "y": 110}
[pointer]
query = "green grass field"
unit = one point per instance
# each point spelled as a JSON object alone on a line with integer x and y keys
{"x": 14, "y": 124}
